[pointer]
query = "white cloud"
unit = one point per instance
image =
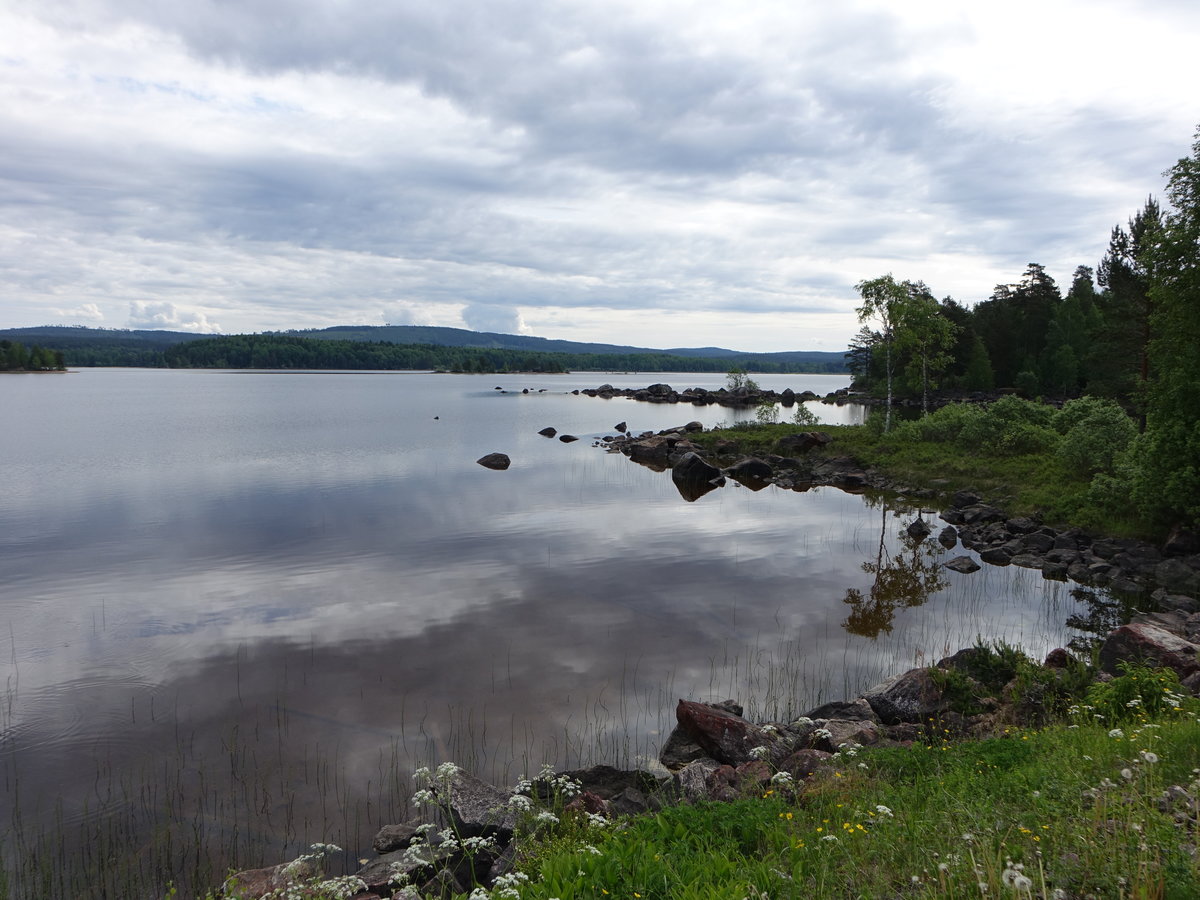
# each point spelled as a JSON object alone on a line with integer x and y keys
{"x": 88, "y": 312}
{"x": 168, "y": 316}
{"x": 513, "y": 162}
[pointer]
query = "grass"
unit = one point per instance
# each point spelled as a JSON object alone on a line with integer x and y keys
{"x": 1064, "y": 812}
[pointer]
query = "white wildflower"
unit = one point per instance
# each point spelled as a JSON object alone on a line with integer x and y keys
{"x": 547, "y": 817}
{"x": 760, "y": 752}
{"x": 782, "y": 778}
{"x": 1127, "y": 774}
{"x": 883, "y": 810}
{"x": 520, "y": 803}
{"x": 423, "y": 796}
{"x": 1149, "y": 757}
{"x": 1116, "y": 733}
{"x": 447, "y": 770}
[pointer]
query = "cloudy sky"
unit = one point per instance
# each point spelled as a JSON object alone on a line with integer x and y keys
{"x": 651, "y": 172}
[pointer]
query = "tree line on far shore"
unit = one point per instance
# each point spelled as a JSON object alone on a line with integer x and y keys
{"x": 15, "y": 357}
{"x": 286, "y": 351}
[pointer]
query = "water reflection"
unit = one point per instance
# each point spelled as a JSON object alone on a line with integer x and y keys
{"x": 251, "y": 604}
{"x": 904, "y": 579}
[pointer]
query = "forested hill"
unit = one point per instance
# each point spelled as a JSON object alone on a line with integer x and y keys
{"x": 82, "y": 346}
{"x": 293, "y": 351}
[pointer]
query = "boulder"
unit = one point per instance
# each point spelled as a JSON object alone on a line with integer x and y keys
{"x": 963, "y": 564}
{"x": 251, "y": 884}
{"x": 548, "y": 431}
{"x": 806, "y": 763}
{"x": 1151, "y": 645}
{"x": 621, "y": 427}
{"x": 726, "y": 737}
{"x": 1181, "y": 542}
{"x": 834, "y": 734}
{"x": 494, "y": 461}
{"x": 996, "y": 556}
{"x": 910, "y": 697}
{"x": 567, "y": 438}
{"x": 692, "y": 780}
{"x": 1021, "y": 525}
{"x": 477, "y": 808}
{"x": 919, "y": 529}
{"x": 394, "y": 837}
{"x": 1177, "y": 576}
{"x": 607, "y": 782}
{"x": 846, "y": 710}
{"x": 948, "y": 537}
{"x": 694, "y": 478}
{"x": 803, "y": 441}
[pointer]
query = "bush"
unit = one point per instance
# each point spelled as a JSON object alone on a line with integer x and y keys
{"x": 1094, "y": 432}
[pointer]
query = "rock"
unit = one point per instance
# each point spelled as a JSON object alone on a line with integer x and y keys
{"x": 755, "y": 775}
{"x": 803, "y": 441}
{"x": 1058, "y": 658}
{"x": 1055, "y": 571}
{"x": 621, "y": 427}
{"x": 1026, "y": 560}
{"x": 607, "y": 782}
{"x": 679, "y": 750}
{"x": 963, "y": 564}
{"x": 910, "y": 697}
{"x": 847, "y": 710}
{"x": 1149, "y": 644}
{"x": 750, "y": 467}
{"x": 805, "y": 763}
{"x": 494, "y": 461}
{"x": 837, "y": 733}
{"x": 417, "y": 862}
{"x": 918, "y": 530}
{"x": 982, "y": 514}
{"x": 567, "y": 438}
{"x": 694, "y": 478}
{"x": 251, "y": 884}
{"x": 693, "y": 427}
{"x": 629, "y": 802}
{"x": 948, "y": 537}
{"x": 394, "y": 837}
{"x": 1177, "y": 576}
{"x": 692, "y": 780}
{"x": 1181, "y": 542}
{"x": 963, "y": 499}
{"x": 477, "y": 808}
{"x": 996, "y": 556}
{"x": 548, "y": 431}
{"x": 1021, "y": 525}
{"x": 726, "y": 737}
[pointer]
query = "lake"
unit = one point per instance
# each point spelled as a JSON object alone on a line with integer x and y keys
{"x": 240, "y": 607}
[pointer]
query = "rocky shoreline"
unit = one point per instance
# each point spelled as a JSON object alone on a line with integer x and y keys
{"x": 467, "y": 835}
{"x": 1124, "y": 566}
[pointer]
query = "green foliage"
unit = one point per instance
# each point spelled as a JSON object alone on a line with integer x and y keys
{"x": 805, "y": 417}
{"x": 1010, "y": 426}
{"x": 1137, "y": 694}
{"x": 1094, "y": 432}
{"x": 14, "y": 357}
{"x": 736, "y": 379}
{"x": 766, "y": 412}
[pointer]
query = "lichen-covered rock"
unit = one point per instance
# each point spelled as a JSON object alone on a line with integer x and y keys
{"x": 252, "y": 884}
{"x": 478, "y": 808}
{"x": 911, "y": 697}
{"x": 1149, "y": 644}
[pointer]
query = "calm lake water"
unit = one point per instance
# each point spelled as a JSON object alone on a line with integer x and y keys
{"x": 239, "y": 608}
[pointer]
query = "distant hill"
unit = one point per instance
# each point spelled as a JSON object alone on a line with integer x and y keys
{"x": 83, "y": 346}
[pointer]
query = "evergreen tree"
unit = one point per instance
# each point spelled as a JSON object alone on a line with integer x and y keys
{"x": 1167, "y": 455}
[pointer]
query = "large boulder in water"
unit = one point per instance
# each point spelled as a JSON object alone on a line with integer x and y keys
{"x": 694, "y": 478}
{"x": 494, "y": 461}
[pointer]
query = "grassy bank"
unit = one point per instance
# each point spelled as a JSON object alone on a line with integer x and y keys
{"x": 1064, "y": 465}
{"x": 1062, "y": 812}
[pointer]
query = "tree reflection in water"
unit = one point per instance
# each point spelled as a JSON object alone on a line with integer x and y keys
{"x": 902, "y": 581}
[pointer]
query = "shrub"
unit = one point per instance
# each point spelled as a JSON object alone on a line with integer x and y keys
{"x": 1094, "y": 432}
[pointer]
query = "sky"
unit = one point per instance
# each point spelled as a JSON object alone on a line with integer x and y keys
{"x": 661, "y": 173}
